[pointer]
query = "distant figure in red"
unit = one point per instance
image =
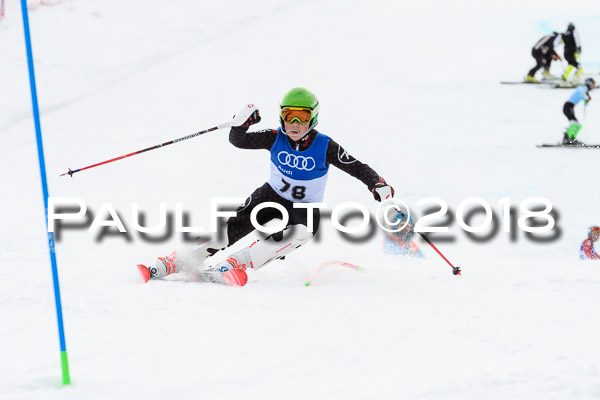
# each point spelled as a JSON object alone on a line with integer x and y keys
{"x": 587, "y": 251}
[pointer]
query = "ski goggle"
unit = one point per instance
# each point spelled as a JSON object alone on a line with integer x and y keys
{"x": 296, "y": 114}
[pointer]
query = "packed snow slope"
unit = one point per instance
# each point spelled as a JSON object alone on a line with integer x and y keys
{"x": 411, "y": 89}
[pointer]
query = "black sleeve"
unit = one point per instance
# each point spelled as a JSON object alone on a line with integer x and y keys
{"x": 241, "y": 138}
{"x": 339, "y": 157}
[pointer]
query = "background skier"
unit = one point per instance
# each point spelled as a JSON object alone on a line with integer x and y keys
{"x": 571, "y": 53}
{"x": 581, "y": 93}
{"x": 400, "y": 243}
{"x": 587, "y": 252}
{"x": 544, "y": 53}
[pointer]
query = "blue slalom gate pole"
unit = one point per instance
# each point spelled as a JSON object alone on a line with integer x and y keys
{"x": 64, "y": 360}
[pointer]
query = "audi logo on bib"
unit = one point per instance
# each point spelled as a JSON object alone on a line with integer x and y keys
{"x": 298, "y": 162}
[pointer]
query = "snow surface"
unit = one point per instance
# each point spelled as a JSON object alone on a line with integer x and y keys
{"x": 411, "y": 89}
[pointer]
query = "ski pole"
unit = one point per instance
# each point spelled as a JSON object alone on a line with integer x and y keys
{"x": 181, "y": 139}
{"x": 562, "y": 64}
{"x": 455, "y": 270}
{"x": 584, "y": 123}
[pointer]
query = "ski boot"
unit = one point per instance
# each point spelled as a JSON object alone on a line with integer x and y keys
{"x": 531, "y": 79}
{"x": 186, "y": 259}
{"x": 548, "y": 75}
{"x": 231, "y": 272}
{"x": 571, "y": 141}
{"x": 162, "y": 267}
{"x": 572, "y": 74}
{"x": 571, "y": 134}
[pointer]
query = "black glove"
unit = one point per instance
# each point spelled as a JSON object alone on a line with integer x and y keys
{"x": 382, "y": 189}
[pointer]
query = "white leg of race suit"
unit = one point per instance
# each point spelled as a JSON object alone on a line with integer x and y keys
{"x": 257, "y": 255}
{"x": 263, "y": 252}
{"x": 196, "y": 255}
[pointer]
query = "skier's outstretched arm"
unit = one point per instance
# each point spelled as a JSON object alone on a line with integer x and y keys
{"x": 339, "y": 157}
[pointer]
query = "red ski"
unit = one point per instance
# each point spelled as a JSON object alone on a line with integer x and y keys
{"x": 144, "y": 272}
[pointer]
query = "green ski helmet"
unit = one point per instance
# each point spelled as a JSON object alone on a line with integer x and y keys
{"x": 301, "y": 98}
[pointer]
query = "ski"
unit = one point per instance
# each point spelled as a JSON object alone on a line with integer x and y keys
{"x": 232, "y": 277}
{"x": 326, "y": 263}
{"x": 566, "y": 85}
{"x": 144, "y": 272}
{"x": 570, "y": 146}
{"x": 546, "y": 82}
{"x": 519, "y": 83}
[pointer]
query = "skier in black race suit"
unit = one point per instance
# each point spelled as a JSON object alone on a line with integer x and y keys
{"x": 544, "y": 53}
{"x": 300, "y": 157}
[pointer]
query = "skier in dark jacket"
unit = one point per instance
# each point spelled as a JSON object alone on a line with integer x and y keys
{"x": 544, "y": 53}
{"x": 300, "y": 157}
{"x": 572, "y": 53}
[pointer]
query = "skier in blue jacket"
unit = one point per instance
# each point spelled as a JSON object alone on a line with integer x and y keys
{"x": 581, "y": 93}
{"x": 400, "y": 243}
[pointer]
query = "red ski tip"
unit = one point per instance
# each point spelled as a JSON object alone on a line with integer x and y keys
{"x": 144, "y": 272}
